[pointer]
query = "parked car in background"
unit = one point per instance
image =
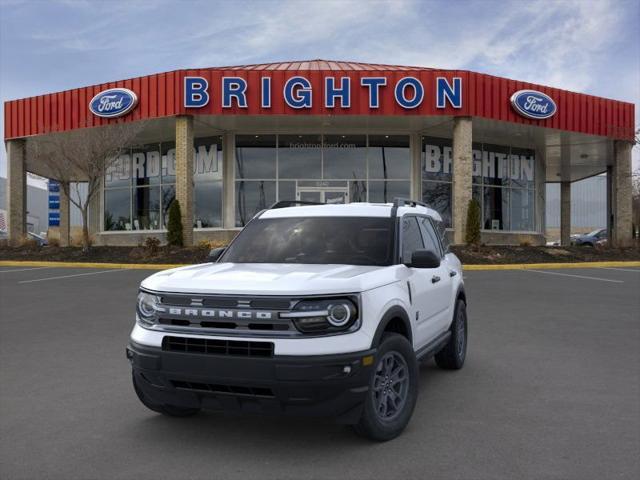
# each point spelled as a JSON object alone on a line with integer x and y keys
{"x": 591, "y": 239}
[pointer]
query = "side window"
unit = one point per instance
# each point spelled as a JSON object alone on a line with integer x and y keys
{"x": 411, "y": 238}
{"x": 430, "y": 237}
{"x": 441, "y": 231}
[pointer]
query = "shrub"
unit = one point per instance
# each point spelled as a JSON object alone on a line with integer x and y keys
{"x": 472, "y": 236}
{"x": 174, "y": 226}
{"x": 54, "y": 242}
{"x": 152, "y": 245}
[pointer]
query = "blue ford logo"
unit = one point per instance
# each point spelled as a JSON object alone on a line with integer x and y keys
{"x": 533, "y": 104}
{"x": 114, "y": 102}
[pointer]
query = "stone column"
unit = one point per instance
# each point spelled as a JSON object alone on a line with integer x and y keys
{"x": 621, "y": 235}
{"x": 416, "y": 166}
{"x": 462, "y": 175}
{"x": 184, "y": 174}
{"x": 16, "y": 191}
{"x": 228, "y": 180}
{"x": 65, "y": 215}
{"x": 565, "y": 213}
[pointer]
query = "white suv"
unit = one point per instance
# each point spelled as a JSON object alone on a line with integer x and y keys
{"x": 312, "y": 310}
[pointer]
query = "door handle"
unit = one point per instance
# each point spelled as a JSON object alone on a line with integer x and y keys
{"x": 435, "y": 279}
{"x": 452, "y": 273}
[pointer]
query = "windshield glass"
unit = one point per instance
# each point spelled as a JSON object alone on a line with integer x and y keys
{"x": 342, "y": 240}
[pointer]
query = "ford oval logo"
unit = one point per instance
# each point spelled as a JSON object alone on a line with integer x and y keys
{"x": 533, "y": 104}
{"x": 114, "y": 102}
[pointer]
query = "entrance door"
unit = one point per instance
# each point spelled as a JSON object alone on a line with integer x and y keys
{"x": 323, "y": 194}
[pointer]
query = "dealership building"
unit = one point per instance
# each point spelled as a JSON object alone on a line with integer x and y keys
{"x": 228, "y": 142}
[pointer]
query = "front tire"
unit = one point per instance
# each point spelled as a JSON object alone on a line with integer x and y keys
{"x": 393, "y": 390}
{"x": 452, "y": 356}
{"x": 169, "y": 410}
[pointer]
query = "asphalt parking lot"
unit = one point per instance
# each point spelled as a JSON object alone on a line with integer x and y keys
{"x": 551, "y": 389}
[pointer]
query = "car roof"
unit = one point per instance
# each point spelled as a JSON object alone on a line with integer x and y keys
{"x": 356, "y": 209}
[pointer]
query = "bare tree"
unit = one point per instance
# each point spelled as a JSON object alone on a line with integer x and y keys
{"x": 82, "y": 156}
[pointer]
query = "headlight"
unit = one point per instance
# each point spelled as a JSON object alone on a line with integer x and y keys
{"x": 146, "y": 308}
{"x": 324, "y": 316}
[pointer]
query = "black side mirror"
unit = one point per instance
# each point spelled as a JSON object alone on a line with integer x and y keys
{"x": 215, "y": 254}
{"x": 424, "y": 259}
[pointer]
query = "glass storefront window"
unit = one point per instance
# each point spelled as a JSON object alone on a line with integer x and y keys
{"x": 496, "y": 208}
{"x": 497, "y": 171}
{"x": 300, "y": 156}
{"x": 389, "y": 157}
{"x": 438, "y": 196}
{"x": 251, "y": 197}
{"x": 345, "y": 157}
{"x": 168, "y": 195}
{"x": 522, "y": 167}
{"x": 146, "y": 208}
{"x": 381, "y": 191}
{"x": 255, "y": 156}
{"x": 436, "y": 159}
{"x": 150, "y": 171}
{"x": 208, "y": 205}
{"x": 521, "y": 211}
{"x": 118, "y": 174}
{"x": 117, "y": 209}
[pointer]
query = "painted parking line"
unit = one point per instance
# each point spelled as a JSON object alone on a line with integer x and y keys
{"x": 575, "y": 276}
{"x": 68, "y": 276}
{"x": 636, "y": 270}
{"x": 23, "y": 269}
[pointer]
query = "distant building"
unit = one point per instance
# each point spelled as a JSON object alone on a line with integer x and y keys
{"x": 37, "y": 207}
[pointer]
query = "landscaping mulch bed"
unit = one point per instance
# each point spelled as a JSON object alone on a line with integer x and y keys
{"x": 468, "y": 255}
{"x": 500, "y": 255}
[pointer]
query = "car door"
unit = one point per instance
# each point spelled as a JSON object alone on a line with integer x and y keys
{"x": 442, "y": 292}
{"x": 421, "y": 283}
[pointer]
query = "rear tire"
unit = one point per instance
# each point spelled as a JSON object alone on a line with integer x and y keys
{"x": 452, "y": 356}
{"x": 393, "y": 390}
{"x": 169, "y": 410}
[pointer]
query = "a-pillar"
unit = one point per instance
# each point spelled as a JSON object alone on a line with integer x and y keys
{"x": 16, "y": 191}
{"x": 621, "y": 186}
{"x": 184, "y": 174}
{"x": 65, "y": 215}
{"x": 565, "y": 213}
{"x": 462, "y": 175}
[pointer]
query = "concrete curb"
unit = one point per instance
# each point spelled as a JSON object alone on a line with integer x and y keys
{"x": 164, "y": 266}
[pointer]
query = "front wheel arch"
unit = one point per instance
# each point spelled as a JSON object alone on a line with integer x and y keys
{"x": 395, "y": 320}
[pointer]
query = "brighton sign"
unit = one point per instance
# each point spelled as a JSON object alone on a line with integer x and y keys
{"x": 533, "y": 104}
{"x": 298, "y": 93}
{"x": 113, "y": 103}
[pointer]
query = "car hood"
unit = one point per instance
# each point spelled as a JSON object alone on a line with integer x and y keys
{"x": 270, "y": 279}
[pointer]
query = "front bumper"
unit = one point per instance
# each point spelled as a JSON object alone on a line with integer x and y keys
{"x": 320, "y": 385}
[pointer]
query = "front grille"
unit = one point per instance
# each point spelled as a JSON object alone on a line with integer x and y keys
{"x": 229, "y": 389}
{"x": 217, "y": 347}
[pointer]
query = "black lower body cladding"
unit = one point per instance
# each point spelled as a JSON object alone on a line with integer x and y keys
{"x": 324, "y": 385}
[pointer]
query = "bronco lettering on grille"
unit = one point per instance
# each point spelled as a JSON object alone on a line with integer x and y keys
{"x": 213, "y": 313}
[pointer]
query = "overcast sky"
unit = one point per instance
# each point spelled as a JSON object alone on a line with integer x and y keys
{"x": 581, "y": 45}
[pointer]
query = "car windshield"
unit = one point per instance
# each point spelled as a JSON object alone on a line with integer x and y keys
{"x": 319, "y": 240}
{"x": 594, "y": 233}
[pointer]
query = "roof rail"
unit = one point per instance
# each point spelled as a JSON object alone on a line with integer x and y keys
{"x": 291, "y": 203}
{"x": 401, "y": 202}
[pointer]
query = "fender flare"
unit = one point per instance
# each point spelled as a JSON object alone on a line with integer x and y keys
{"x": 394, "y": 312}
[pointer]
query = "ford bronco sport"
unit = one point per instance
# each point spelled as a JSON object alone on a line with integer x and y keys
{"x": 320, "y": 310}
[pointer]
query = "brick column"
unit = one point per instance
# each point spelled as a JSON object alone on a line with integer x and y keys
{"x": 65, "y": 215}
{"x": 620, "y": 234}
{"x": 565, "y": 213}
{"x": 184, "y": 174}
{"x": 228, "y": 180}
{"x": 462, "y": 175}
{"x": 16, "y": 191}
